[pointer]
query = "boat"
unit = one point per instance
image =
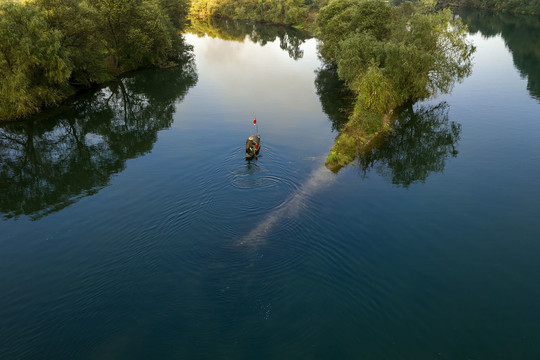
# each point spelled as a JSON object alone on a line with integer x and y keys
{"x": 253, "y": 143}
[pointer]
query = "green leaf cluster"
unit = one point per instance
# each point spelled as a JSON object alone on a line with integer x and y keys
{"x": 49, "y": 48}
{"x": 390, "y": 55}
{"x": 137, "y": 33}
{"x": 34, "y": 67}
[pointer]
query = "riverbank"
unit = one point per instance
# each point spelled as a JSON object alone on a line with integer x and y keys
{"x": 56, "y": 108}
{"x": 55, "y": 49}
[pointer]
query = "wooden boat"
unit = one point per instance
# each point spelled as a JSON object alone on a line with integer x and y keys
{"x": 253, "y": 145}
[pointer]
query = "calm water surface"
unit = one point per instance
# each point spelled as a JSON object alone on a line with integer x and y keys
{"x": 133, "y": 227}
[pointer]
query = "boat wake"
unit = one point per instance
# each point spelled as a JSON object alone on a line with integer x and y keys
{"x": 319, "y": 178}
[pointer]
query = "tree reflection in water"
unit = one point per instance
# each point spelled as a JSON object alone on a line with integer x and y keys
{"x": 419, "y": 143}
{"x": 521, "y": 34}
{"x": 337, "y": 100}
{"x": 290, "y": 39}
{"x": 47, "y": 165}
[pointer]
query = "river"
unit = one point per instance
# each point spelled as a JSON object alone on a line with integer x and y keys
{"x": 132, "y": 227}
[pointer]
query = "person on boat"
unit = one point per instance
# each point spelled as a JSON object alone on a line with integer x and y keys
{"x": 249, "y": 146}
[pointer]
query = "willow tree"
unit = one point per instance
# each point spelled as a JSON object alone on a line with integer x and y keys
{"x": 48, "y": 48}
{"x": 77, "y": 21}
{"x": 34, "y": 67}
{"x": 390, "y": 55}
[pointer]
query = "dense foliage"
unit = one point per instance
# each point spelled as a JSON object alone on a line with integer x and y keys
{"x": 390, "y": 55}
{"x": 50, "y": 47}
{"x": 34, "y": 66}
{"x": 291, "y": 12}
{"x": 521, "y": 6}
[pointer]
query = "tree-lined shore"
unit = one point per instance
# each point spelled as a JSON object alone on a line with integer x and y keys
{"x": 51, "y": 48}
{"x": 297, "y": 13}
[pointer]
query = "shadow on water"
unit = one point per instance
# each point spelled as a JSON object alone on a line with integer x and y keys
{"x": 290, "y": 39}
{"x": 521, "y": 33}
{"x": 47, "y": 165}
{"x": 421, "y": 139}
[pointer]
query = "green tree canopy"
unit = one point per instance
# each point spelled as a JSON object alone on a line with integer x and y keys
{"x": 50, "y": 47}
{"x": 136, "y": 33}
{"x": 34, "y": 67}
{"x": 391, "y": 55}
{"x": 78, "y": 21}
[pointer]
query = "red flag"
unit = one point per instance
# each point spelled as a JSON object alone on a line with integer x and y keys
{"x": 254, "y": 121}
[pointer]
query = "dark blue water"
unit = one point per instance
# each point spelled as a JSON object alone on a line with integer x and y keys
{"x": 133, "y": 227}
